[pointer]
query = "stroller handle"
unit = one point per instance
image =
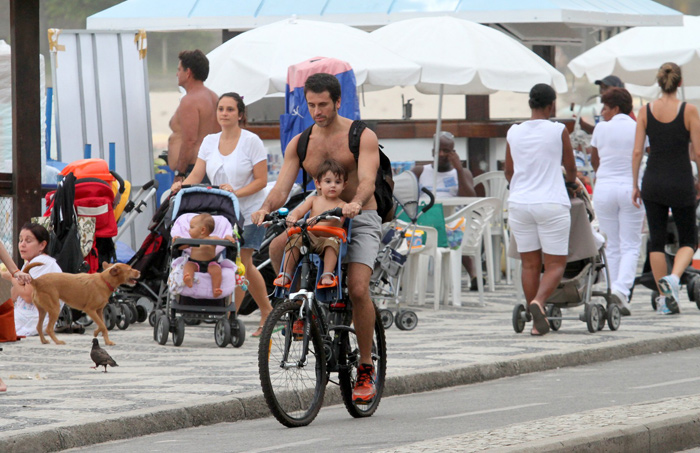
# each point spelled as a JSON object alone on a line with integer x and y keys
{"x": 119, "y": 179}
{"x": 432, "y": 199}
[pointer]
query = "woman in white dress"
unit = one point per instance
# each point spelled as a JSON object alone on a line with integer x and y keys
{"x": 236, "y": 160}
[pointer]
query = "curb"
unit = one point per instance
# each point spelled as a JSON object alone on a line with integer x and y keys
{"x": 669, "y": 433}
{"x": 657, "y": 434}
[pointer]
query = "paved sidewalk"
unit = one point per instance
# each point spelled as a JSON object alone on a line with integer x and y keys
{"x": 55, "y": 401}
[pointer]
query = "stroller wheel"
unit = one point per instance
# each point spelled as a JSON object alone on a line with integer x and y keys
{"x": 123, "y": 314}
{"x": 554, "y": 312}
{"x": 407, "y": 320}
{"x": 152, "y": 318}
{"x": 179, "y": 331}
{"x": 601, "y": 316}
{"x": 141, "y": 314}
{"x": 592, "y": 315}
{"x": 162, "y": 329}
{"x": 519, "y": 318}
{"x": 690, "y": 287}
{"x": 110, "y": 316}
{"x": 222, "y": 333}
{"x": 237, "y": 333}
{"x": 133, "y": 313}
{"x": 193, "y": 322}
{"x": 696, "y": 293}
{"x": 654, "y": 295}
{"x": 387, "y": 317}
{"x": 614, "y": 317}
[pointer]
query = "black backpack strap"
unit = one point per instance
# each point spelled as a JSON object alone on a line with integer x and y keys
{"x": 354, "y": 136}
{"x": 302, "y": 145}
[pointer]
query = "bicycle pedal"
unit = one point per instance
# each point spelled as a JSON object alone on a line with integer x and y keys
{"x": 338, "y": 306}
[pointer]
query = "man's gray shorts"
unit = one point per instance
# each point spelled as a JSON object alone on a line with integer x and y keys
{"x": 364, "y": 239}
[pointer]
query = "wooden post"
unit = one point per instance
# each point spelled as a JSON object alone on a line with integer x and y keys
{"x": 26, "y": 113}
{"x": 478, "y": 110}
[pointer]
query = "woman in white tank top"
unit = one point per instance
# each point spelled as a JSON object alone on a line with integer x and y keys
{"x": 538, "y": 204}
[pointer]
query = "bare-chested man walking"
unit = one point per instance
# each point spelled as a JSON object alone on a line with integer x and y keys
{"x": 195, "y": 117}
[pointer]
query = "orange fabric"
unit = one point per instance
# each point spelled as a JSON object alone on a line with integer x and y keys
{"x": 7, "y": 322}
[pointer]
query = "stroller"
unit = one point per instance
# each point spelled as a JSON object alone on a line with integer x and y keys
{"x": 151, "y": 260}
{"x": 690, "y": 277}
{"x": 398, "y": 240}
{"x": 584, "y": 268}
{"x": 196, "y": 303}
{"x": 102, "y": 195}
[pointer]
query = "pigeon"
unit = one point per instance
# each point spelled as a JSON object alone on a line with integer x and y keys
{"x": 100, "y": 356}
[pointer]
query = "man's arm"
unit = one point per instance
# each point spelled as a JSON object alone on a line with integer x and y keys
{"x": 417, "y": 170}
{"x": 464, "y": 177}
{"x": 568, "y": 157}
{"x": 279, "y": 192}
{"x": 189, "y": 128}
{"x": 367, "y": 166}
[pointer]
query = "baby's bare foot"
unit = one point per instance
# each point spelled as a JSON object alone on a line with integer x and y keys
{"x": 217, "y": 292}
{"x": 188, "y": 279}
{"x": 327, "y": 280}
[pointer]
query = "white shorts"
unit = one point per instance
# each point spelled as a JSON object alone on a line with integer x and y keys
{"x": 542, "y": 226}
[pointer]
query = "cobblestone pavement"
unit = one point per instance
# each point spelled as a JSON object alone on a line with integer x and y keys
{"x": 53, "y": 393}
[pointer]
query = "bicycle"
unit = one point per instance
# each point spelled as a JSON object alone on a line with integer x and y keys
{"x": 309, "y": 336}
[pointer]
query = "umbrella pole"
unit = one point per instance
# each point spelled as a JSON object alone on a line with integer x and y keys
{"x": 436, "y": 141}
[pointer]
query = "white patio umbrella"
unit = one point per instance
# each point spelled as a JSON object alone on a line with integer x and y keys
{"x": 635, "y": 56}
{"x": 461, "y": 57}
{"x": 255, "y": 63}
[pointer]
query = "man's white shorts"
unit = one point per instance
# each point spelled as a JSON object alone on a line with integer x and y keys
{"x": 540, "y": 226}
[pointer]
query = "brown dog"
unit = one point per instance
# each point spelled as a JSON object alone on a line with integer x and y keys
{"x": 87, "y": 292}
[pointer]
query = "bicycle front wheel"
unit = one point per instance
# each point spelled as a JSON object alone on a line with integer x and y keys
{"x": 349, "y": 360}
{"x": 293, "y": 388}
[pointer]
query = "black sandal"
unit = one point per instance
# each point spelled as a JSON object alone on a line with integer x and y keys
{"x": 539, "y": 319}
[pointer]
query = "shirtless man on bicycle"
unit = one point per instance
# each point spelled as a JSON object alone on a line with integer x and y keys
{"x": 329, "y": 140}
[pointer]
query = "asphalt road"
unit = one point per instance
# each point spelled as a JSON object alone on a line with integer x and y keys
{"x": 502, "y": 405}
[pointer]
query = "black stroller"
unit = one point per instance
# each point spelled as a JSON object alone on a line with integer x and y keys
{"x": 690, "y": 278}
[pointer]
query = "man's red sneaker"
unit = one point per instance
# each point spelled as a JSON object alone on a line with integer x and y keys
{"x": 364, "y": 391}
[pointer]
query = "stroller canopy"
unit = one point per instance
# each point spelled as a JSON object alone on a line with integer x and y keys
{"x": 407, "y": 193}
{"x": 209, "y": 200}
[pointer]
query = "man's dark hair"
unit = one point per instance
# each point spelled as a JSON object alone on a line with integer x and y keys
{"x": 618, "y": 97}
{"x": 320, "y": 82}
{"x": 240, "y": 104}
{"x": 541, "y": 95}
{"x": 197, "y": 62}
{"x": 333, "y": 166}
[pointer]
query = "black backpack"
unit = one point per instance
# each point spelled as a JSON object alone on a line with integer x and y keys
{"x": 383, "y": 185}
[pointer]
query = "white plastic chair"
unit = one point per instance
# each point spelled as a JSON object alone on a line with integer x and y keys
{"x": 496, "y": 186}
{"x": 479, "y": 216}
{"x": 415, "y": 275}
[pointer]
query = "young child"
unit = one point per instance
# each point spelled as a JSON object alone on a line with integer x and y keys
{"x": 330, "y": 183}
{"x": 201, "y": 227}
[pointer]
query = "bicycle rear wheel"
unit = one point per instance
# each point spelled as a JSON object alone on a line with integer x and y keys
{"x": 293, "y": 391}
{"x": 349, "y": 360}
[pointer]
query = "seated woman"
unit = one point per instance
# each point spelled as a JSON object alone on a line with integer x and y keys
{"x": 13, "y": 272}
{"x": 538, "y": 204}
{"x": 33, "y": 240}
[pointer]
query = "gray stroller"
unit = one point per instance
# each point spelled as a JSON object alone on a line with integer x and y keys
{"x": 385, "y": 283}
{"x": 585, "y": 267}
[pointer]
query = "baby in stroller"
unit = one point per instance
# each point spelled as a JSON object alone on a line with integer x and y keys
{"x": 203, "y": 256}
{"x": 194, "y": 303}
